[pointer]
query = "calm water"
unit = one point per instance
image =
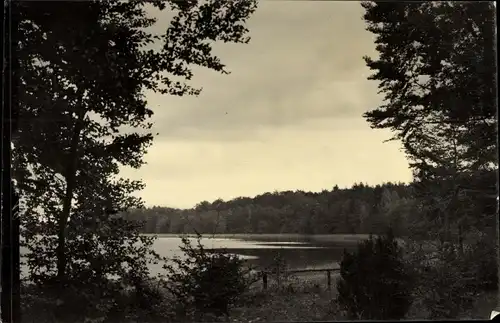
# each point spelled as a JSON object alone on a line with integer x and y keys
{"x": 299, "y": 251}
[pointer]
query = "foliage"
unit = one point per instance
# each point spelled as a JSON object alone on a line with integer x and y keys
{"x": 84, "y": 67}
{"x": 279, "y": 273}
{"x": 206, "y": 283}
{"x": 440, "y": 102}
{"x": 446, "y": 285}
{"x": 358, "y": 209}
{"x": 374, "y": 283}
{"x": 434, "y": 86}
{"x": 449, "y": 279}
{"x": 437, "y": 72}
{"x": 89, "y": 303}
{"x": 479, "y": 260}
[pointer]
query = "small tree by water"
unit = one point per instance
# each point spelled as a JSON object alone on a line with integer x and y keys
{"x": 206, "y": 283}
{"x": 279, "y": 269}
{"x": 374, "y": 283}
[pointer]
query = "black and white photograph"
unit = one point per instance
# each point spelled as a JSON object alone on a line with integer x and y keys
{"x": 249, "y": 161}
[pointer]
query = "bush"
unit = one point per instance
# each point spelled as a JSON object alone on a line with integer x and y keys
{"x": 481, "y": 258}
{"x": 106, "y": 304}
{"x": 206, "y": 284}
{"x": 106, "y": 273}
{"x": 447, "y": 279}
{"x": 374, "y": 283}
{"x": 278, "y": 270}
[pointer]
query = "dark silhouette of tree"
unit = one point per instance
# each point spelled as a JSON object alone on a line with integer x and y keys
{"x": 83, "y": 68}
{"x": 374, "y": 283}
{"x": 337, "y": 211}
{"x": 437, "y": 72}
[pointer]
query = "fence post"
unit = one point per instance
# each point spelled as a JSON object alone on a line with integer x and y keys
{"x": 264, "y": 280}
{"x": 329, "y": 279}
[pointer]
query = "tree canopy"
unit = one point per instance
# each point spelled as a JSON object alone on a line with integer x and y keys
{"x": 436, "y": 69}
{"x": 359, "y": 209}
{"x": 84, "y": 70}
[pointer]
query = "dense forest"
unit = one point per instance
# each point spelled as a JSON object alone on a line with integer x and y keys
{"x": 359, "y": 209}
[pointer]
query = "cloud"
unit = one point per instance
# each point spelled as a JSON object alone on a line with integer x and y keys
{"x": 182, "y": 174}
{"x": 288, "y": 117}
{"x": 304, "y": 62}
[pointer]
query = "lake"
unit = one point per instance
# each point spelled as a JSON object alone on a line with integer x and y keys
{"x": 260, "y": 250}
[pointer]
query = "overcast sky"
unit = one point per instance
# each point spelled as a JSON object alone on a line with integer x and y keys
{"x": 289, "y": 116}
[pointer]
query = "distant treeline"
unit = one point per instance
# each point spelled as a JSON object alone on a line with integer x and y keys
{"x": 359, "y": 209}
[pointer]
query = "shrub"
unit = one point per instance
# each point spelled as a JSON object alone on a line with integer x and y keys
{"x": 481, "y": 259}
{"x": 206, "y": 284}
{"x": 374, "y": 283}
{"x": 450, "y": 283}
{"x": 106, "y": 274}
{"x": 278, "y": 270}
{"x": 447, "y": 281}
{"x": 88, "y": 303}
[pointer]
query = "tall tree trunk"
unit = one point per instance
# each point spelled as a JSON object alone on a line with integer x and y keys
{"x": 498, "y": 249}
{"x": 9, "y": 217}
{"x": 70, "y": 177}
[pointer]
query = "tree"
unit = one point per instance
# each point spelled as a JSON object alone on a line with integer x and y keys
{"x": 437, "y": 71}
{"x": 363, "y": 214}
{"x": 206, "y": 283}
{"x": 84, "y": 66}
{"x": 374, "y": 283}
{"x": 433, "y": 75}
{"x": 202, "y": 206}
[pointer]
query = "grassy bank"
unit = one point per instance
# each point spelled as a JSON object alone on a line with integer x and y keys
{"x": 292, "y": 297}
{"x": 308, "y": 300}
{"x": 301, "y": 303}
{"x": 301, "y": 297}
{"x": 304, "y": 296}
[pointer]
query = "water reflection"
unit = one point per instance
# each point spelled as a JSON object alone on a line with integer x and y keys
{"x": 299, "y": 252}
{"x": 261, "y": 251}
